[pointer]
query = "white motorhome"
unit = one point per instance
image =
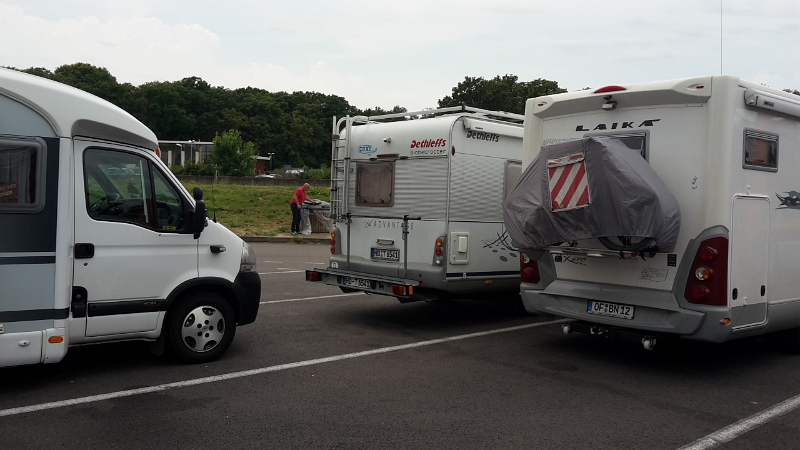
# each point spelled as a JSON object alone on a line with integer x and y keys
{"x": 418, "y": 204}
{"x": 727, "y": 150}
{"x": 99, "y": 241}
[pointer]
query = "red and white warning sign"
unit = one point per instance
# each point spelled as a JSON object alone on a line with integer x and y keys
{"x": 569, "y": 185}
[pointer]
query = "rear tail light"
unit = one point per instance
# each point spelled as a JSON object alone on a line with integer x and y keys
{"x": 438, "y": 251}
{"x": 528, "y": 269}
{"x": 333, "y": 242}
{"x": 312, "y": 276}
{"x": 399, "y": 289}
{"x": 707, "y": 283}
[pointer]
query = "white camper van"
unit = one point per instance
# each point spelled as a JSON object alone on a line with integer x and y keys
{"x": 99, "y": 241}
{"x": 418, "y": 205}
{"x": 723, "y": 150}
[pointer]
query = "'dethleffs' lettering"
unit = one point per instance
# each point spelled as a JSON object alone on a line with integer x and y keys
{"x": 428, "y": 143}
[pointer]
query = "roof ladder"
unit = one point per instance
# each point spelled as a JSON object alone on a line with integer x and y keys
{"x": 340, "y": 165}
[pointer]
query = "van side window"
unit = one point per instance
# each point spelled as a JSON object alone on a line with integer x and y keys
{"x": 169, "y": 207}
{"x": 119, "y": 189}
{"x": 760, "y": 151}
{"x": 375, "y": 183}
{"x": 21, "y": 175}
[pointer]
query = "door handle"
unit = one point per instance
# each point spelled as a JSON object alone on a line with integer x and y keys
{"x": 84, "y": 251}
{"x": 763, "y": 290}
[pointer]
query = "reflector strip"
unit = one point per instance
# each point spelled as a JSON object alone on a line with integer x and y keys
{"x": 569, "y": 185}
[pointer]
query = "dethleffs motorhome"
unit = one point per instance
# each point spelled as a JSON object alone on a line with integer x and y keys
{"x": 99, "y": 241}
{"x": 696, "y": 237}
{"x": 418, "y": 205}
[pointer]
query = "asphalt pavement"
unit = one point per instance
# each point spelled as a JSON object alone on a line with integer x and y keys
{"x": 323, "y": 369}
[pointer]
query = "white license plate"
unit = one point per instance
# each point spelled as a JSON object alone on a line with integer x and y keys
{"x": 356, "y": 282}
{"x": 382, "y": 253}
{"x": 610, "y": 309}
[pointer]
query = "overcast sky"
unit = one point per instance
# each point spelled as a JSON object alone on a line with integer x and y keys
{"x": 409, "y": 52}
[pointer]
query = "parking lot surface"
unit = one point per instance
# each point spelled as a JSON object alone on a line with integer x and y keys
{"x": 324, "y": 369}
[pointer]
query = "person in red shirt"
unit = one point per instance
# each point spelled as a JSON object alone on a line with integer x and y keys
{"x": 297, "y": 201}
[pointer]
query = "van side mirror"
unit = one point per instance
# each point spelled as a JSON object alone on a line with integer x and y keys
{"x": 200, "y": 212}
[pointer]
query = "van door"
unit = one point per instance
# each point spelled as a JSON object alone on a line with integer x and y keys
{"x": 131, "y": 248}
{"x": 749, "y": 253}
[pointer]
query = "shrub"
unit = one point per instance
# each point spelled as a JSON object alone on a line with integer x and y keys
{"x": 323, "y": 173}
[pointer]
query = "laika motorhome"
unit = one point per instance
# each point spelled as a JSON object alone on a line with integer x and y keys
{"x": 99, "y": 241}
{"x": 695, "y": 237}
{"x": 418, "y": 205}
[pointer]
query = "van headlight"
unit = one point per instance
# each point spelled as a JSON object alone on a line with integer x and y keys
{"x": 248, "y": 259}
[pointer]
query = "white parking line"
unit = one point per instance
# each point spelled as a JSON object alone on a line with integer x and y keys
{"x": 741, "y": 427}
{"x": 248, "y": 373}
{"x": 315, "y": 263}
{"x": 283, "y": 271}
{"x": 313, "y": 298}
{"x": 274, "y": 262}
{"x": 291, "y": 268}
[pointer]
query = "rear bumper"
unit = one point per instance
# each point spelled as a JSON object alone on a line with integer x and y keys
{"x": 375, "y": 284}
{"x": 656, "y": 311}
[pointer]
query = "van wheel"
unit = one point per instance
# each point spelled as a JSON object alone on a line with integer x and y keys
{"x": 201, "y": 328}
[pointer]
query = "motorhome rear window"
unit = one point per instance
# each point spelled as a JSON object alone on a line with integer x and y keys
{"x": 634, "y": 141}
{"x": 375, "y": 183}
{"x": 21, "y": 176}
{"x": 760, "y": 151}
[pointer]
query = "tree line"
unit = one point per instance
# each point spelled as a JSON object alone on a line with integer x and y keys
{"x": 295, "y": 126}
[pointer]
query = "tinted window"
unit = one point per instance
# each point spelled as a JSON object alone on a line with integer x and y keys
{"x": 760, "y": 151}
{"x": 21, "y": 176}
{"x": 375, "y": 184}
{"x": 634, "y": 141}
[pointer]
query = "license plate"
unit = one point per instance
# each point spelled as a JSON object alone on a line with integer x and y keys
{"x": 610, "y": 309}
{"x": 356, "y": 282}
{"x": 383, "y": 253}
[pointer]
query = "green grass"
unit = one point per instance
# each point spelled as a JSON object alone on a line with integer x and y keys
{"x": 254, "y": 210}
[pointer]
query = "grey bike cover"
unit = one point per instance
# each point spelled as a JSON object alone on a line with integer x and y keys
{"x": 588, "y": 188}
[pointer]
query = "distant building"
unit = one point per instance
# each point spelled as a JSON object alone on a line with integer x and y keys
{"x": 263, "y": 164}
{"x": 178, "y": 153}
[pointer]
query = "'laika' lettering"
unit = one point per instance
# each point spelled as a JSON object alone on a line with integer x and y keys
{"x": 618, "y": 125}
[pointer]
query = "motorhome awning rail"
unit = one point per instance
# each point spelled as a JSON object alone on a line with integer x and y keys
{"x": 517, "y": 118}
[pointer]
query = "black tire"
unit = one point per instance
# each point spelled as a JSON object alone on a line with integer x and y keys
{"x": 212, "y": 323}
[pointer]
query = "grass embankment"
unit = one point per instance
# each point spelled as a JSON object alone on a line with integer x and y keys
{"x": 254, "y": 210}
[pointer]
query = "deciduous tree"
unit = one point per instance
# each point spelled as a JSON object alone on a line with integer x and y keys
{"x": 232, "y": 156}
